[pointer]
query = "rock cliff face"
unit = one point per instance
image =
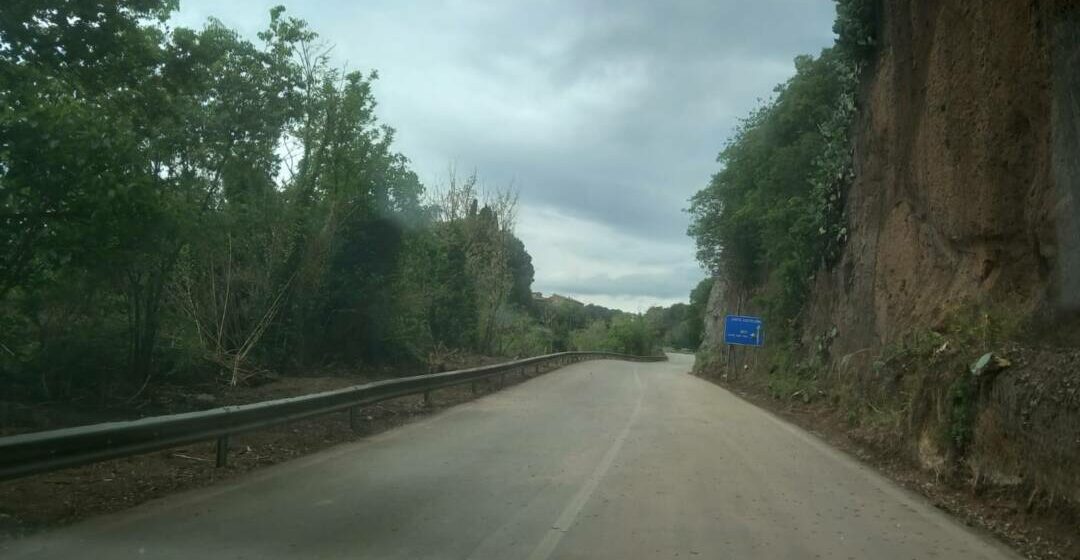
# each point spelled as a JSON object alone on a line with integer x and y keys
{"x": 967, "y": 191}
{"x": 967, "y": 185}
{"x": 965, "y": 164}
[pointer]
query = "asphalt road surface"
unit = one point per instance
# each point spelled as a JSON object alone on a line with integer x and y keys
{"x": 602, "y": 459}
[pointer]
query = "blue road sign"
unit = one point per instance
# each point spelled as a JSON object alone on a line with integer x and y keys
{"x": 743, "y": 331}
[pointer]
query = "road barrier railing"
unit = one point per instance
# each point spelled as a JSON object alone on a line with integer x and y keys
{"x": 40, "y": 452}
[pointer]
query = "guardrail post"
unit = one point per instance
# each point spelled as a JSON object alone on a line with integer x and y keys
{"x": 427, "y": 399}
{"x": 222, "y": 451}
{"x": 354, "y": 418}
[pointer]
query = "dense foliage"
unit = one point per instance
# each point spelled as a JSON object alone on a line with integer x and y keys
{"x": 856, "y": 28}
{"x": 773, "y": 215}
{"x": 681, "y": 326}
{"x": 179, "y": 203}
{"x": 572, "y": 325}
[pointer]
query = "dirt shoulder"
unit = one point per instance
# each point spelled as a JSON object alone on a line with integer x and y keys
{"x": 1035, "y": 533}
{"x": 55, "y": 499}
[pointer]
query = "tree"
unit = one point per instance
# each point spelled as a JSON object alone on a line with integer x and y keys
{"x": 189, "y": 202}
{"x": 521, "y": 273}
{"x": 770, "y": 217}
{"x": 694, "y": 318}
{"x": 102, "y": 174}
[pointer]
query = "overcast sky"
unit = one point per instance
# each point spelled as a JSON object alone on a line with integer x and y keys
{"x": 606, "y": 115}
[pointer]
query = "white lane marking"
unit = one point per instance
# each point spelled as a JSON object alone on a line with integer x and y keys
{"x": 554, "y": 535}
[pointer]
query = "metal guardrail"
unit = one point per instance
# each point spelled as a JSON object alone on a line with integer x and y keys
{"x": 40, "y": 452}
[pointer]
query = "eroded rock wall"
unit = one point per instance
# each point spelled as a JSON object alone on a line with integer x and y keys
{"x": 955, "y": 198}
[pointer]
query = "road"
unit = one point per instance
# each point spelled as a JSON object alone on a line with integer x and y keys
{"x": 602, "y": 459}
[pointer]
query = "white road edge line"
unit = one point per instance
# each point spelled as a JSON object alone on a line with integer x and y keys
{"x": 569, "y": 514}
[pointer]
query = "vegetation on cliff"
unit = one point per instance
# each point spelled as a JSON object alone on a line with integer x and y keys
{"x": 774, "y": 214}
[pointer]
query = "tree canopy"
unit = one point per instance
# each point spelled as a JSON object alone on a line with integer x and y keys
{"x": 190, "y": 203}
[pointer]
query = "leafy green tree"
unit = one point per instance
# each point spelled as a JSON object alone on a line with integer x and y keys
{"x": 563, "y": 316}
{"x": 104, "y": 173}
{"x": 594, "y": 337}
{"x": 521, "y": 273}
{"x": 625, "y": 333}
{"x": 694, "y": 318}
{"x": 768, "y": 219}
{"x": 191, "y": 203}
{"x": 230, "y": 281}
{"x": 521, "y": 335}
{"x": 630, "y": 334}
{"x": 455, "y": 313}
{"x": 856, "y": 27}
{"x": 682, "y": 325}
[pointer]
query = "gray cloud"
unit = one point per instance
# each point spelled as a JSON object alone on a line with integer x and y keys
{"x": 601, "y": 111}
{"x": 660, "y": 286}
{"x": 602, "y": 264}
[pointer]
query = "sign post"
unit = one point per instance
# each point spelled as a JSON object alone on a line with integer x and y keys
{"x": 743, "y": 331}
